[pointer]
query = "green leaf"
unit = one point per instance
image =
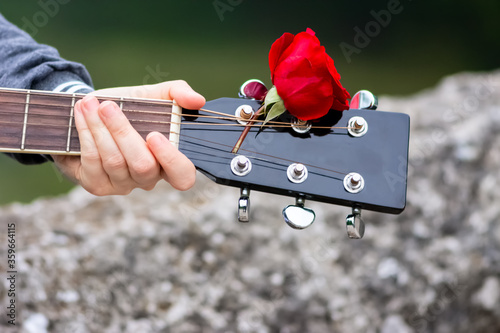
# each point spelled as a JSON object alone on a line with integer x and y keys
{"x": 276, "y": 110}
{"x": 272, "y": 97}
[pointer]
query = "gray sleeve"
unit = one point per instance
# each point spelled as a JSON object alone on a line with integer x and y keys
{"x": 25, "y": 64}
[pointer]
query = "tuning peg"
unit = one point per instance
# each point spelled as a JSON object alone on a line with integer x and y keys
{"x": 355, "y": 225}
{"x": 253, "y": 89}
{"x": 244, "y": 205}
{"x": 364, "y": 99}
{"x": 297, "y": 216}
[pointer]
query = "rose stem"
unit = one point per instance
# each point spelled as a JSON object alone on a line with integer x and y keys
{"x": 246, "y": 130}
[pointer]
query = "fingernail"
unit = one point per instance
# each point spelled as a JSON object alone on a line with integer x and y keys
{"x": 89, "y": 103}
{"x": 108, "y": 109}
{"x": 156, "y": 139}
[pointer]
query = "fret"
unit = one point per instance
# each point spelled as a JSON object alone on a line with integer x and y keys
{"x": 25, "y": 123}
{"x": 72, "y": 112}
{"x": 146, "y": 117}
{"x": 48, "y": 122}
{"x": 38, "y": 122}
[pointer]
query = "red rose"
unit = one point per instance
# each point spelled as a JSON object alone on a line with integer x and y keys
{"x": 305, "y": 76}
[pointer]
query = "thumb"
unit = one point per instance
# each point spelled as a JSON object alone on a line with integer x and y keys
{"x": 182, "y": 92}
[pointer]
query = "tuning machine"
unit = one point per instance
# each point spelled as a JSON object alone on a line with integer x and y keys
{"x": 244, "y": 205}
{"x": 364, "y": 99}
{"x": 355, "y": 224}
{"x": 297, "y": 216}
{"x": 253, "y": 89}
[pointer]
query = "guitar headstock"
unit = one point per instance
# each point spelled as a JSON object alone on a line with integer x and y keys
{"x": 356, "y": 158}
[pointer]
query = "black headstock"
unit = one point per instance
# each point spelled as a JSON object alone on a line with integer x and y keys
{"x": 360, "y": 164}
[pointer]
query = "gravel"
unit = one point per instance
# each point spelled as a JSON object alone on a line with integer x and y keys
{"x": 167, "y": 261}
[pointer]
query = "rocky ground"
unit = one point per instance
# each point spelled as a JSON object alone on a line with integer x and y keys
{"x": 165, "y": 261}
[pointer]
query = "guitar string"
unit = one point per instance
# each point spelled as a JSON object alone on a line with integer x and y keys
{"x": 277, "y": 165}
{"x": 258, "y": 153}
{"x": 212, "y": 142}
{"x": 163, "y": 103}
{"x": 228, "y": 152}
{"x": 158, "y": 122}
{"x": 143, "y": 101}
{"x": 223, "y": 116}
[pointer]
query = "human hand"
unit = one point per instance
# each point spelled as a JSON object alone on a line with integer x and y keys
{"x": 115, "y": 159}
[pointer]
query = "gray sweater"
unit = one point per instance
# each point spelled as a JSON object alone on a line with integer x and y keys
{"x": 25, "y": 64}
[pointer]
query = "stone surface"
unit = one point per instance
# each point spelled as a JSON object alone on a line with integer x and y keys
{"x": 165, "y": 261}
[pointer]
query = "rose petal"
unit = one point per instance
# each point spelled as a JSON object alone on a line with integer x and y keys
{"x": 277, "y": 49}
{"x": 302, "y": 106}
{"x": 306, "y": 94}
{"x": 310, "y": 31}
{"x": 305, "y": 76}
{"x": 339, "y": 91}
{"x": 305, "y": 45}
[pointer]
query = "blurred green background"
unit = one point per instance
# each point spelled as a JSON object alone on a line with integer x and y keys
{"x": 217, "y": 45}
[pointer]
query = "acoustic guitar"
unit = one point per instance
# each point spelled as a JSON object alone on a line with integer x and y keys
{"x": 356, "y": 158}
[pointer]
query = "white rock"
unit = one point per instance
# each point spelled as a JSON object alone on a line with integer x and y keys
{"x": 388, "y": 267}
{"x": 36, "y": 323}
{"x": 489, "y": 294}
{"x": 395, "y": 324}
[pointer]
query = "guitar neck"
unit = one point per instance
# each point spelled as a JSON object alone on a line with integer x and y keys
{"x": 43, "y": 122}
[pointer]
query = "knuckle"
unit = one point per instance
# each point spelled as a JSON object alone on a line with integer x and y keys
{"x": 143, "y": 167}
{"x": 115, "y": 162}
{"x": 122, "y": 131}
{"x": 92, "y": 156}
{"x": 149, "y": 187}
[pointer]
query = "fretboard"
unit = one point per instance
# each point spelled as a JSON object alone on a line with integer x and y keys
{"x": 43, "y": 122}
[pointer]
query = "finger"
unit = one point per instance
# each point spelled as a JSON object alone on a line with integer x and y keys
{"x": 179, "y": 90}
{"x": 90, "y": 171}
{"x": 68, "y": 165}
{"x": 183, "y": 94}
{"x": 111, "y": 157}
{"x": 177, "y": 169}
{"x": 142, "y": 165}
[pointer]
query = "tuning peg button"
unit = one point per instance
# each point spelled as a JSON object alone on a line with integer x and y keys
{"x": 244, "y": 206}
{"x": 297, "y": 216}
{"x": 364, "y": 99}
{"x": 355, "y": 224}
{"x": 254, "y": 89}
